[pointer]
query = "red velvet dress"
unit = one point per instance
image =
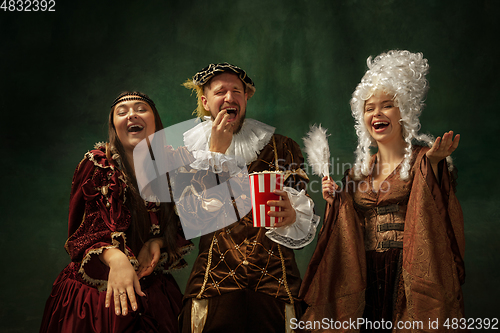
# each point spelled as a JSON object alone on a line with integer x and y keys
{"x": 98, "y": 219}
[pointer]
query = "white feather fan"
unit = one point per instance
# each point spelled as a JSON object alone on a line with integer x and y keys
{"x": 317, "y": 150}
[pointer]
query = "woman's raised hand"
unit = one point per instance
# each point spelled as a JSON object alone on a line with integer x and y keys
{"x": 443, "y": 147}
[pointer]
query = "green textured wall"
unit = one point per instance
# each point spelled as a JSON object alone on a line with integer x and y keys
{"x": 60, "y": 71}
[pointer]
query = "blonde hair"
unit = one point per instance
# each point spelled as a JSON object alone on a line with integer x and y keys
{"x": 401, "y": 74}
{"x": 200, "y": 110}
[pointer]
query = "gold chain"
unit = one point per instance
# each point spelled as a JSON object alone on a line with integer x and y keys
{"x": 283, "y": 267}
{"x": 209, "y": 263}
{"x": 276, "y": 165}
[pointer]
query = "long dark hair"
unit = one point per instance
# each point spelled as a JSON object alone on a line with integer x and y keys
{"x": 139, "y": 230}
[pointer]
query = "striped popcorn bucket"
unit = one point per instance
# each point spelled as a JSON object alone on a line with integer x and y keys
{"x": 262, "y": 185}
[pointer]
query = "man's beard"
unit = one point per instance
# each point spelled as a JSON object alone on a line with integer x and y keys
{"x": 240, "y": 124}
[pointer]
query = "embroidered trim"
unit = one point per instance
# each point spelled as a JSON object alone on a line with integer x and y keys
{"x": 103, "y": 284}
{"x": 125, "y": 189}
{"x": 303, "y": 230}
{"x": 161, "y": 262}
{"x": 209, "y": 263}
{"x": 90, "y": 155}
{"x": 293, "y": 243}
{"x": 177, "y": 267}
{"x": 183, "y": 251}
{"x": 134, "y": 262}
{"x": 100, "y": 284}
{"x": 155, "y": 229}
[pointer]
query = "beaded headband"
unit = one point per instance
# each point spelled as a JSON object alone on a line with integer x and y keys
{"x": 132, "y": 97}
{"x": 203, "y": 76}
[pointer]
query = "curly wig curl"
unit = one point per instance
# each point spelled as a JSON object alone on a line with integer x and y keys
{"x": 401, "y": 74}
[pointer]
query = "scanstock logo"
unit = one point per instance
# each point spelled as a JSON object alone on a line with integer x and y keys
{"x": 205, "y": 200}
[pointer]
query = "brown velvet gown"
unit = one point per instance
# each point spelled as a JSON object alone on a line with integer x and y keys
{"x": 247, "y": 277}
{"x": 394, "y": 255}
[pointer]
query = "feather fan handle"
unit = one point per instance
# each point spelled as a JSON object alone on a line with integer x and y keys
{"x": 317, "y": 150}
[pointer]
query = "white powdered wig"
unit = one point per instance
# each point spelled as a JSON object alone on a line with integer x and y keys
{"x": 398, "y": 73}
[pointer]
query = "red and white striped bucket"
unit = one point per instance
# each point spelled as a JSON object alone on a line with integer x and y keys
{"x": 262, "y": 185}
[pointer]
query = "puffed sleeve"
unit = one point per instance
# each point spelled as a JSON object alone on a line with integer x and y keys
{"x": 76, "y": 202}
{"x": 433, "y": 266}
{"x": 335, "y": 280}
{"x": 442, "y": 189}
{"x": 98, "y": 218}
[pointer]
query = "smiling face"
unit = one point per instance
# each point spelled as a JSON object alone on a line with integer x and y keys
{"x": 381, "y": 118}
{"x": 133, "y": 120}
{"x": 226, "y": 92}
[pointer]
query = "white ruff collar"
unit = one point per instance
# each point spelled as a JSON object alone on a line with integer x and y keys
{"x": 249, "y": 141}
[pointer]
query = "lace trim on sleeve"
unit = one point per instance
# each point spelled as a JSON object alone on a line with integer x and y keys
{"x": 303, "y": 230}
{"x": 176, "y": 265}
{"x": 118, "y": 240}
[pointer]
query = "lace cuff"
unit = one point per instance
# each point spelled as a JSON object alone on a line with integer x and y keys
{"x": 93, "y": 271}
{"x": 303, "y": 230}
{"x": 176, "y": 265}
{"x": 217, "y": 162}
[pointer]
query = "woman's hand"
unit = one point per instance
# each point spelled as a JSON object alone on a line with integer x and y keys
{"x": 328, "y": 189}
{"x": 123, "y": 282}
{"x": 441, "y": 149}
{"x": 287, "y": 215}
{"x": 149, "y": 256}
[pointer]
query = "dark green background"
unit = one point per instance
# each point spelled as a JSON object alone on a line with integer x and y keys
{"x": 61, "y": 70}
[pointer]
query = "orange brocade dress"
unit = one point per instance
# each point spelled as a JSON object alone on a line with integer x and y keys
{"x": 394, "y": 255}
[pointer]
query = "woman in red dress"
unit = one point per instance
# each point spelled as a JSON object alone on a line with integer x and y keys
{"x": 122, "y": 247}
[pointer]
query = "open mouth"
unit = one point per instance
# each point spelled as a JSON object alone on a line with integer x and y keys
{"x": 380, "y": 125}
{"x": 232, "y": 112}
{"x": 135, "y": 128}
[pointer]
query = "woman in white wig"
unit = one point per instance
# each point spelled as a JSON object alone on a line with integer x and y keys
{"x": 391, "y": 248}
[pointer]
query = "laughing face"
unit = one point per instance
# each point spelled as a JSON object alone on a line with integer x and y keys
{"x": 134, "y": 120}
{"x": 226, "y": 92}
{"x": 381, "y": 117}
